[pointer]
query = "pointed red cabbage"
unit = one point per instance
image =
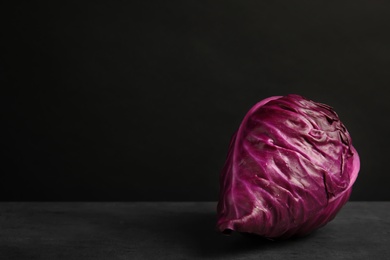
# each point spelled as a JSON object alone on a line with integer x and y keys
{"x": 289, "y": 170}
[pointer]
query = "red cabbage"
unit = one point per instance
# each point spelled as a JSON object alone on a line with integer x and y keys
{"x": 289, "y": 169}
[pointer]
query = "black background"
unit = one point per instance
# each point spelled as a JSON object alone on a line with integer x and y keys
{"x": 137, "y": 100}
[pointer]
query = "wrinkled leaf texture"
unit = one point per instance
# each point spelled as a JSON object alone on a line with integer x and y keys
{"x": 289, "y": 169}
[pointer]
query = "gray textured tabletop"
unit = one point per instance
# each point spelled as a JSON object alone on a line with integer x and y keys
{"x": 182, "y": 230}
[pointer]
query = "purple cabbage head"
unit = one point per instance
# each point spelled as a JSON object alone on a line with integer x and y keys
{"x": 289, "y": 169}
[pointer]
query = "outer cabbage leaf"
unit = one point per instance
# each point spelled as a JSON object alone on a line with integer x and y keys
{"x": 289, "y": 169}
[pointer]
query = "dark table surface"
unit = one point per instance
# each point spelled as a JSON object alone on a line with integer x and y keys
{"x": 176, "y": 230}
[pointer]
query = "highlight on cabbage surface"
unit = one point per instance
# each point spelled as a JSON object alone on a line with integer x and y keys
{"x": 289, "y": 170}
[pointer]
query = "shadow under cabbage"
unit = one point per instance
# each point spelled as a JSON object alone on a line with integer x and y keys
{"x": 197, "y": 234}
